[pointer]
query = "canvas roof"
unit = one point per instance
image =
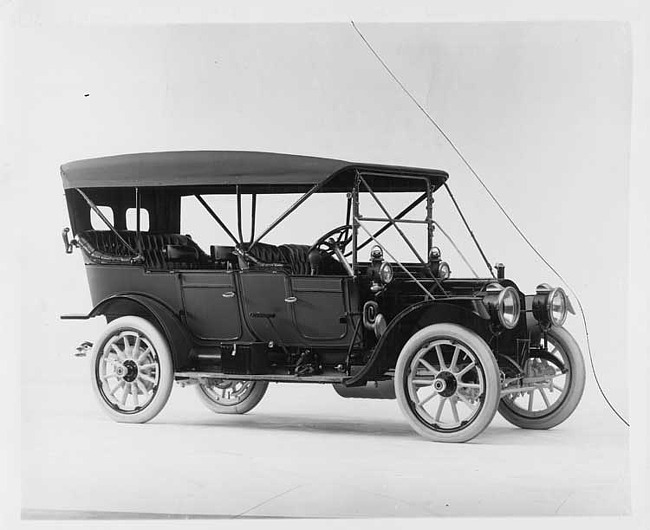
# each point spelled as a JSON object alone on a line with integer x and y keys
{"x": 253, "y": 171}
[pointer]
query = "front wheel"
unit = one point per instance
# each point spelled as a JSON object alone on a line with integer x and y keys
{"x": 228, "y": 396}
{"x": 557, "y": 381}
{"x": 447, "y": 383}
{"x": 132, "y": 371}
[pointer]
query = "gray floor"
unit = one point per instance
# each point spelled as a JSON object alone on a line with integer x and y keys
{"x": 304, "y": 452}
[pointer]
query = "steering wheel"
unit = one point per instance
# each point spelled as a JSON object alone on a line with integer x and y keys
{"x": 338, "y": 237}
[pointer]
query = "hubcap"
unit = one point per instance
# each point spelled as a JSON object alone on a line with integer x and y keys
{"x": 128, "y": 371}
{"x": 446, "y": 385}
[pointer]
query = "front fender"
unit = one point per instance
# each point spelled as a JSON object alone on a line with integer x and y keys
{"x": 467, "y": 312}
{"x": 156, "y": 312}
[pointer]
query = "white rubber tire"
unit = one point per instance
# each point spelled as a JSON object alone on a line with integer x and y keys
{"x": 165, "y": 368}
{"x": 246, "y": 405}
{"x": 567, "y": 343}
{"x": 472, "y": 342}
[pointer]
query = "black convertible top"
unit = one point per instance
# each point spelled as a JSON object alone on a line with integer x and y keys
{"x": 254, "y": 171}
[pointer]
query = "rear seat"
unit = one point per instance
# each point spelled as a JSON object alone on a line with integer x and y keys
{"x": 104, "y": 247}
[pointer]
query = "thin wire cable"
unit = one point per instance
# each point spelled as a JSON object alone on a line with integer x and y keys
{"x": 456, "y": 248}
{"x": 523, "y": 236}
{"x": 478, "y": 246}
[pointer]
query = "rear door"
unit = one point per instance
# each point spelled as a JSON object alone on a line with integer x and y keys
{"x": 265, "y": 298}
{"x": 210, "y": 303}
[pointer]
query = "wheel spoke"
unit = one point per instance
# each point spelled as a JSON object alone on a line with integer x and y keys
{"x": 140, "y": 385}
{"x": 454, "y": 410}
{"x": 454, "y": 359}
{"x": 560, "y": 388}
{"x": 110, "y": 361}
{"x": 117, "y": 387}
{"x": 466, "y": 401}
{"x": 142, "y": 354}
{"x": 427, "y": 399}
{"x": 120, "y": 353}
{"x": 466, "y": 369}
{"x": 147, "y": 366}
{"x": 128, "y": 349}
{"x": 439, "y": 411}
{"x": 546, "y": 401}
{"x": 429, "y": 367}
{"x": 530, "y": 400}
{"x": 136, "y": 348}
{"x": 125, "y": 394}
{"x": 147, "y": 378}
{"x": 136, "y": 401}
{"x": 441, "y": 360}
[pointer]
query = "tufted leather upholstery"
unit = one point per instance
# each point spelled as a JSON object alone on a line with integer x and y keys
{"x": 103, "y": 246}
{"x": 295, "y": 256}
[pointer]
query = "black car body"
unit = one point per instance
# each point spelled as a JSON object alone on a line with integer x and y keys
{"x": 243, "y": 312}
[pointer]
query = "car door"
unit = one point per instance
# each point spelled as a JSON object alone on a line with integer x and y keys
{"x": 319, "y": 308}
{"x": 210, "y": 305}
{"x": 265, "y": 298}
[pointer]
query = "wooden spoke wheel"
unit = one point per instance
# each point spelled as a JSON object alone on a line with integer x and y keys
{"x": 447, "y": 383}
{"x": 132, "y": 370}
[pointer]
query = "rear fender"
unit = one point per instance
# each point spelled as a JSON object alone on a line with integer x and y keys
{"x": 468, "y": 313}
{"x": 156, "y": 312}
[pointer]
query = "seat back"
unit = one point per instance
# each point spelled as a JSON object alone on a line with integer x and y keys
{"x": 295, "y": 256}
{"x": 103, "y": 246}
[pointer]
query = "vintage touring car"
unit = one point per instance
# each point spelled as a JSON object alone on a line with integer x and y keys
{"x": 232, "y": 316}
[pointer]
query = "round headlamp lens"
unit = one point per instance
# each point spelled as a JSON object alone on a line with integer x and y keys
{"x": 557, "y": 307}
{"x": 386, "y": 272}
{"x": 509, "y": 307}
{"x": 443, "y": 270}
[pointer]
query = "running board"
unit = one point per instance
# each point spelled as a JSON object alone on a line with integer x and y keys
{"x": 324, "y": 379}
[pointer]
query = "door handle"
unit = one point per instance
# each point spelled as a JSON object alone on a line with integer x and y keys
{"x": 291, "y": 300}
{"x": 229, "y": 294}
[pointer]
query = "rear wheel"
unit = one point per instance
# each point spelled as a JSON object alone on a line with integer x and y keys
{"x": 447, "y": 383}
{"x": 131, "y": 370}
{"x": 559, "y": 381}
{"x": 228, "y": 396}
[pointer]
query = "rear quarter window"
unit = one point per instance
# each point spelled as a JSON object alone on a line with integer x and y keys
{"x": 131, "y": 219}
{"x": 96, "y": 221}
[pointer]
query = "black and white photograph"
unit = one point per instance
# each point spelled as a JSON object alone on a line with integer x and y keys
{"x": 340, "y": 267}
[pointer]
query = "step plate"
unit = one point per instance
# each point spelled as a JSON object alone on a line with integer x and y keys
{"x": 324, "y": 379}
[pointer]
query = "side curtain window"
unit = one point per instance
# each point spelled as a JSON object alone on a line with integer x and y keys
{"x": 131, "y": 219}
{"x": 96, "y": 221}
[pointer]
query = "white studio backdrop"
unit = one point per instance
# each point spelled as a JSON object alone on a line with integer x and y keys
{"x": 542, "y": 110}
